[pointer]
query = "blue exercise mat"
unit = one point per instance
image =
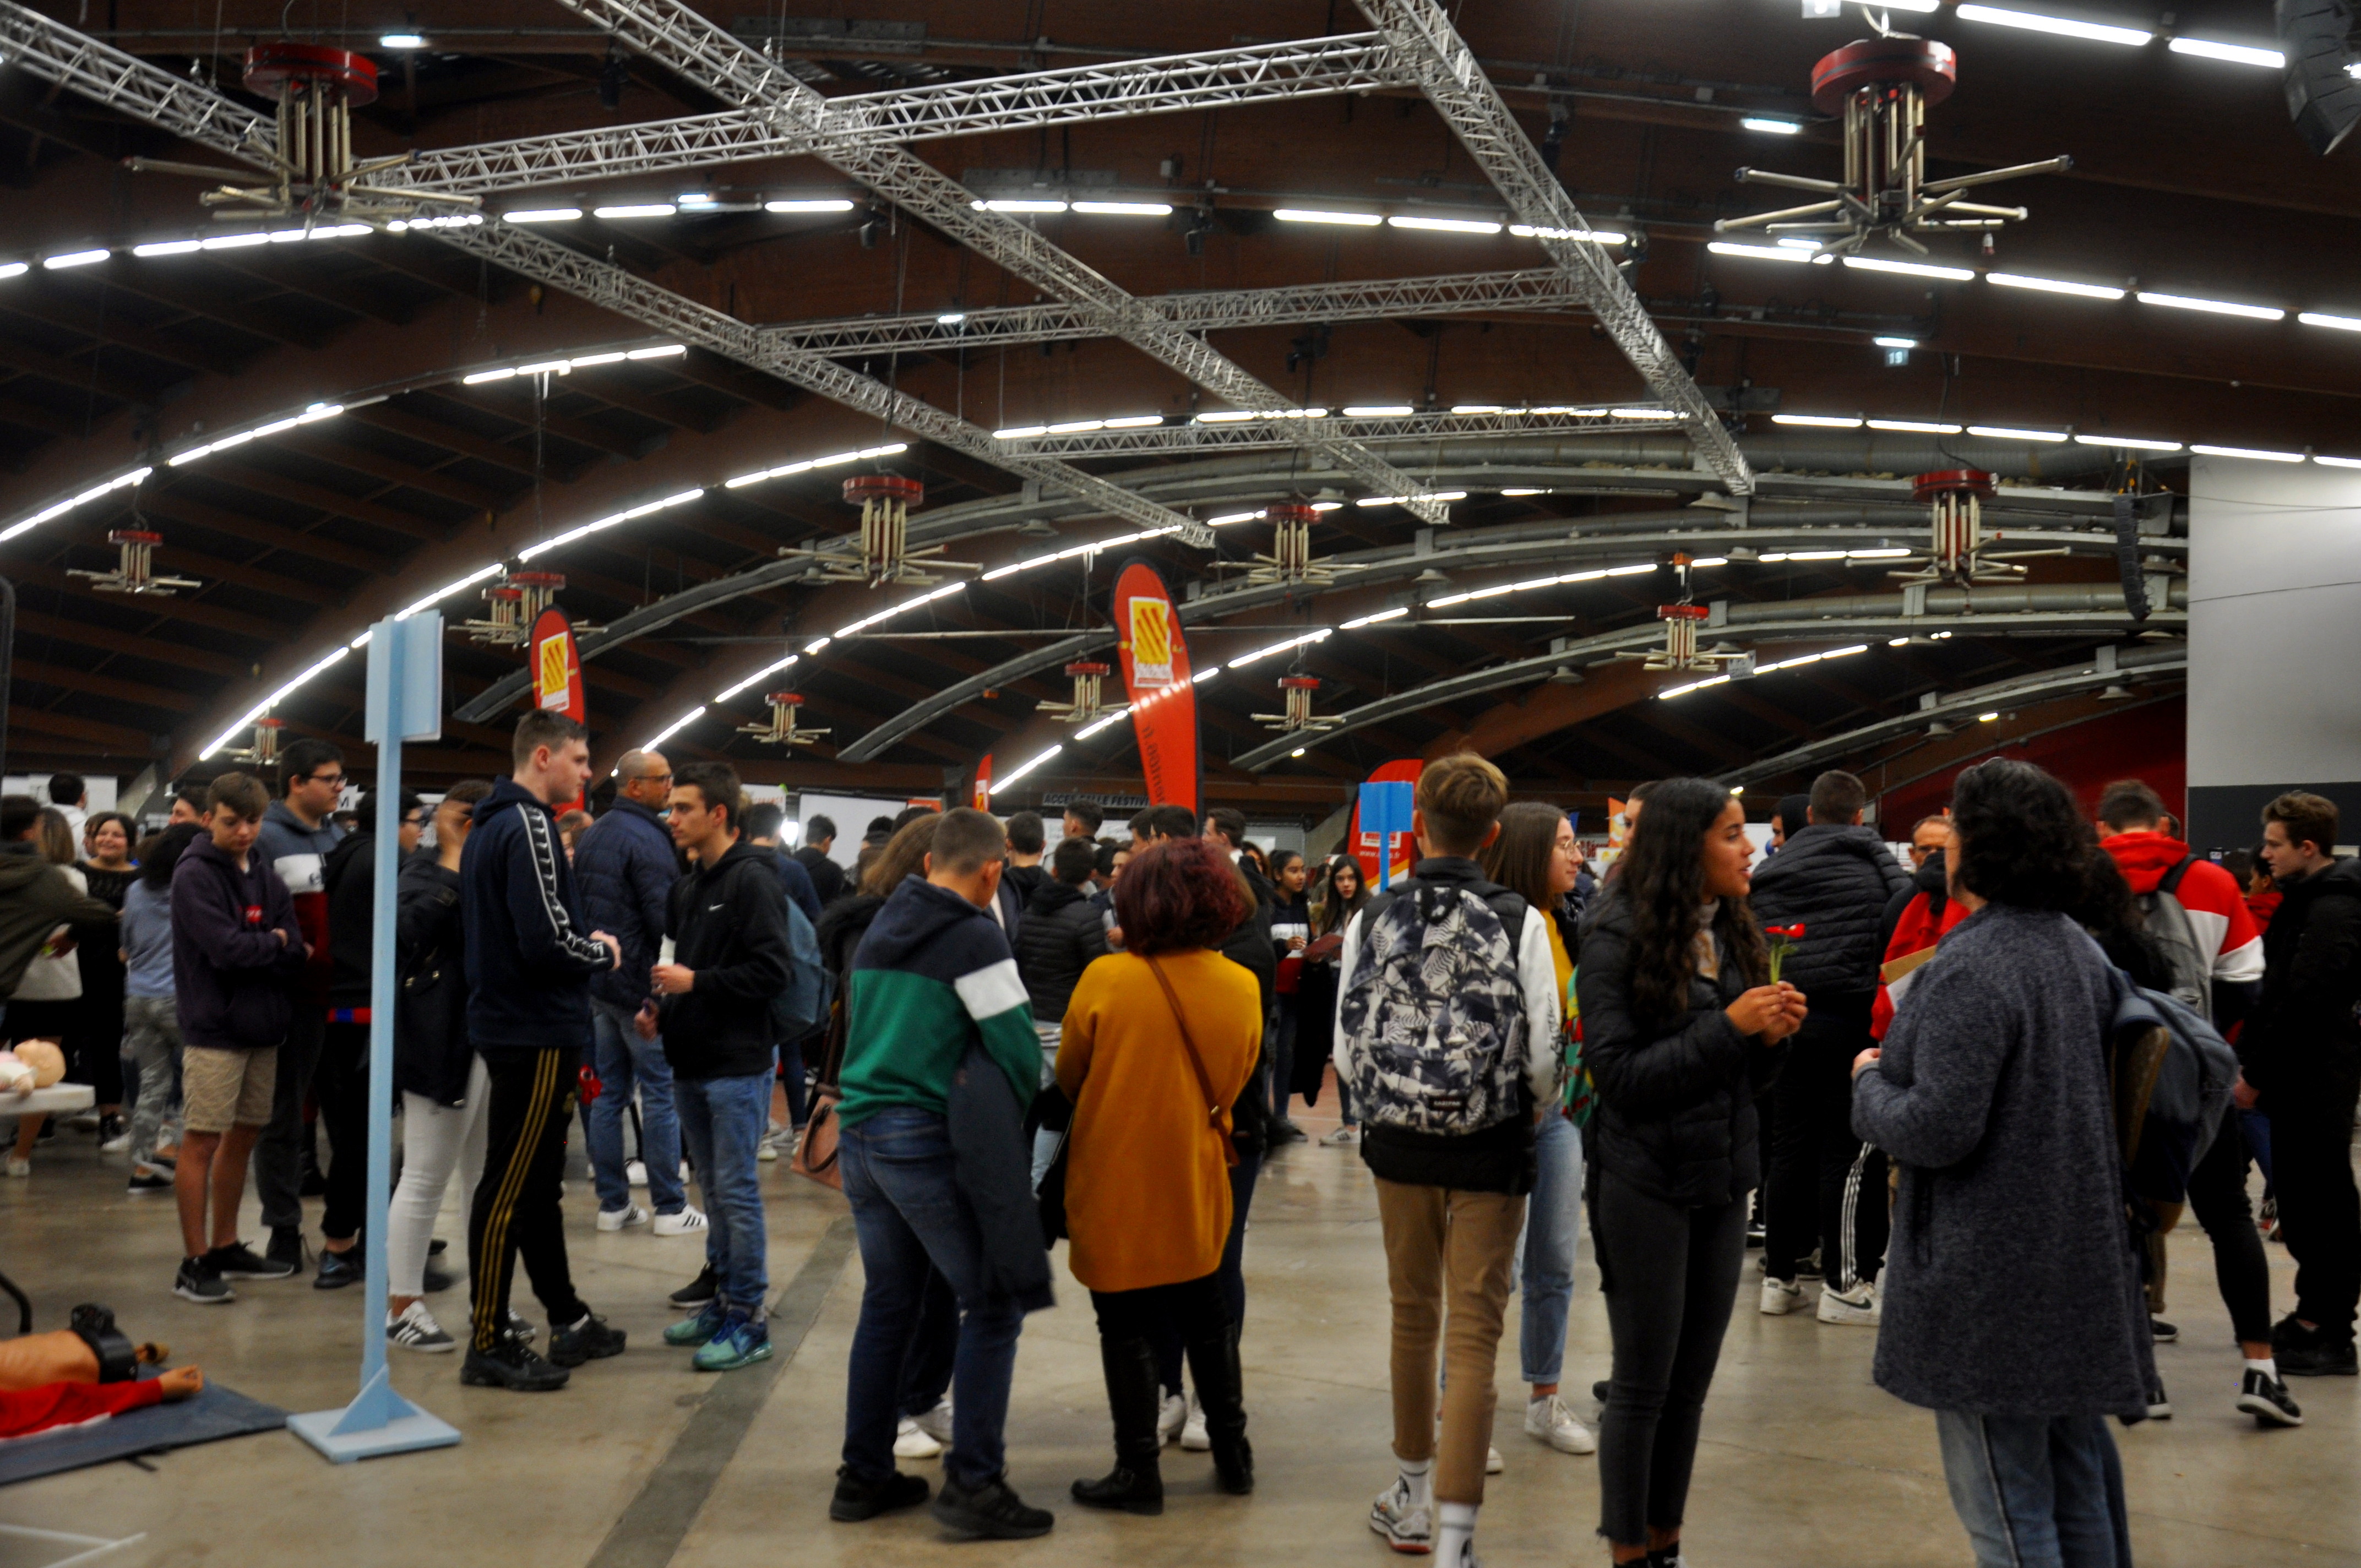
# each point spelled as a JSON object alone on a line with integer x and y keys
{"x": 218, "y": 1412}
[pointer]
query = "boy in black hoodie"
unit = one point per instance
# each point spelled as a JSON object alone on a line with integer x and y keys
{"x": 728, "y": 922}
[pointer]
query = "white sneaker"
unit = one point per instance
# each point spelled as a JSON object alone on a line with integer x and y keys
{"x": 1858, "y": 1306}
{"x": 119, "y": 1144}
{"x": 1397, "y": 1516}
{"x": 616, "y": 1219}
{"x": 1342, "y": 1137}
{"x": 912, "y": 1442}
{"x": 1780, "y": 1296}
{"x": 1192, "y": 1429}
{"x": 1171, "y": 1417}
{"x": 768, "y": 1149}
{"x": 636, "y": 1173}
{"x": 1548, "y": 1420}
{"x": 690, "y": 1218}
{"x": 1493, "y": 1462}
{"x": 415, "y": 1329}
{"x": 937, "y": 1423}
{"x": 19, "y": 1167}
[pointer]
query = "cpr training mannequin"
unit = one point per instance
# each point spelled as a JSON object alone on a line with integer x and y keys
{"x": 92, "y": 1351}
{"x": 33, "y": 1064}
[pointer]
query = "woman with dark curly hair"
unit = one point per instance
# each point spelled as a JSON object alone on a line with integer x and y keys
{"x": 2011, "y": 1298}
{"x": 1158, "y": 1041}
{"x": 1681, "y": 1027}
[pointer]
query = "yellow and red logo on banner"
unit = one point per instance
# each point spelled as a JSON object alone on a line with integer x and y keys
{"x": 556, "y": 666}
{"x": 982, "y": 800}
{"x": 1155, "y": 658}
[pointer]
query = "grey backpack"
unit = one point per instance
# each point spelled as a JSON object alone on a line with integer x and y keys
{"x": 1434, "y": 1011}
{"x": 2167, "y": 919}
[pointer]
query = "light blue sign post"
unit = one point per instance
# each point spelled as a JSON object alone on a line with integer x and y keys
{"x": 1385, "y": 811}
{"x": 405, "y": 703}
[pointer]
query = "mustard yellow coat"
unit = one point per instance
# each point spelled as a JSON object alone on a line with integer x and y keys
{"x": 1147, "y": 1190}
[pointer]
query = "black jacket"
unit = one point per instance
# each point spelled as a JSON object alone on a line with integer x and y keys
{"x": 1058, "y": 936}
{"x": 828, "y": 879}
{"x": 1027, "y": 879}
{"x": 991, "y": 1169}
{"x": 530, "y": 953}
{"x": 1249, "y": 946}
{"x": 1675, "y": 1096}
{"x": 1834, "y": 882}
{"x": 431, "y": 1054}
{"x": 236, "y": 949}
{"x": 2305, "y": 1030}
{"x": 728, "y": 922}
{"x": 624, "y": 866}
{"x": 349, "y": 874}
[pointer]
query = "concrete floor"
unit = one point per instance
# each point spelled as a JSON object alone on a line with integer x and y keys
{"x": 642, "y": 1462}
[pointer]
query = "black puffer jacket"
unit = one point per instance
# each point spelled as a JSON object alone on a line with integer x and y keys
{"x": 1058, "y": 936}
{"x": 1834, "y": 882}
{"x": 2305, "y": 1033}
{"x": 431, "y": 1054}
{"x": 1675, "y": 1097}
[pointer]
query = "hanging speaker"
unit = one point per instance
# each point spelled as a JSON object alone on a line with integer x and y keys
{"x": 2322, "y": 46}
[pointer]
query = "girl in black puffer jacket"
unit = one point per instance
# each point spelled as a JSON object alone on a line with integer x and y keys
{"x": 1680, "y": 1033}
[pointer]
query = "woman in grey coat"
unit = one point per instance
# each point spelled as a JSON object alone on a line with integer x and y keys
{"x": 2011, "y": 1296}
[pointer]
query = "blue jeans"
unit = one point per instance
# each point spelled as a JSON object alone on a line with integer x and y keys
{"x": 622, "y": 1057}
{"x": 2036, "y": 1491}
{"x": 723, "y": 1121}
{"x": 909, "y": 1214}
{"x": 1544, "y": 1266}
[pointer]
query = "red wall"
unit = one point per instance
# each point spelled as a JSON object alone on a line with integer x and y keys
{"x": 2150, "y": 742}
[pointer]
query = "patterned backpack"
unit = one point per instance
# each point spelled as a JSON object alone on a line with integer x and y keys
{"x": 1434, "y": 1011}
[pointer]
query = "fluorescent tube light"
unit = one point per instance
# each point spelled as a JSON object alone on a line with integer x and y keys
{"x": 1444, "y": 225}
{"x": 1125, "y": 209}
{"x": 636, "y": 210}
{"x": 2245, "y": 452}
{"x": 2338, "y": 462}
{"x": 1021, "y": 205}
{"x": 661, "y": 351}
{"x": 543, "y": 216}
{"x": 2214, "y": 307}
{"x": 1758, "y": 252}
{"x": 2053, "y": 286}
{"x": 821, "y": 204}
{"x": 1588, "y": 237}
{"x": 1894, "y": 342}
{"x": 2128, "y": 443}
{"x": 1310, "y": 216}
{"x": 182, "y": 247}
{"x": 1826, "y": 421}
{"x": 402, "y": 40}
{"x": 2003, "y": 432}
{"x": 1770, "y": 126}
{"x": 71, "y": 259}
{"x": 1914, "y": 426}
{"x": 1020, "y": 432}
{"x": 2063, "y": 26}
{"x": 2236, "y": 54}
{"x": 1910, "y": 268}
{"x": 1642, "y": 413}
{"x": 13, "y": 270}
{"x": 1986, "y": 717}
{"x": 1378, "y": 411}
{"x": 2309, "y": 318}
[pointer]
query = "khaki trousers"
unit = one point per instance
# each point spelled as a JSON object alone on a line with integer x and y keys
{"x": 1455, "y": 1248}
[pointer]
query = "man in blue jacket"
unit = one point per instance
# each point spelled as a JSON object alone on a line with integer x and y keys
{"x": 625, "y": 867}
{"x": 529, "y": 960}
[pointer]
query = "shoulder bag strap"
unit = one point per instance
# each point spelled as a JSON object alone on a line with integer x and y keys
{"x": 1205, "y": 1079}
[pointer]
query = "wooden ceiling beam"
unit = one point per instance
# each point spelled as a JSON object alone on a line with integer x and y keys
{"x": 172, "y": 507}
{"x": 81, "y": 634}
{"x": 375, "y": 513}
{"x": 318, "y": 442}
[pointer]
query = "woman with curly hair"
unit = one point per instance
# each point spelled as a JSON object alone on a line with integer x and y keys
{"x": 1681, "y": 1032}
{"x": 2013, "y": 1307}
{"x": 1158, "y": 1041}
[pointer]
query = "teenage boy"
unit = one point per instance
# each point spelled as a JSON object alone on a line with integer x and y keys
{"x": 1452, "y": 1170}
{"x": 728, "y": 921}
{"x": 812, "y": 854}
{"x": 2300, "y": 1056}
{"x": 932, "y": 978}
{"x": 236, "y": 949}
{"x": 625, "y": 867}
{"x": 1082, "y": 819}
{"x": 1026, "y": 845}
{"x": 296, "y": 836}
{"x": 529, "y": 960}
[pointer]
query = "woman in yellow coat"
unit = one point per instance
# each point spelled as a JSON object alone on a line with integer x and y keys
{"x": 1159, "y": 1042}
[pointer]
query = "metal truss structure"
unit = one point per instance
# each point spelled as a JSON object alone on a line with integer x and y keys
{"x": 1246, "y": 436}
{"x": 190, "y": 110}
{"x": 1219, "y": 310}
{"x": 849, "y": 126}
{"x": 1473, "y": 108}
{"x": 693, "y": 48}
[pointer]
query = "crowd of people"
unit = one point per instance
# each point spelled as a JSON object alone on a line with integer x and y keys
{"x": 1928, "y": 1086}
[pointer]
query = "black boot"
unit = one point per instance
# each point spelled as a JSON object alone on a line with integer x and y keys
{"x": 1213, "y": 1362}
{"x": 1135, "y": 1395}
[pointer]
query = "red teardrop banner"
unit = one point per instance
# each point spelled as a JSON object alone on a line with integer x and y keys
{"x": 1156, "y": 679}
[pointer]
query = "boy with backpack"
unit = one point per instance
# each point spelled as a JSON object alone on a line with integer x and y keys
{"x": 1443, "y": 1029}
{"x": 727, "y": 925}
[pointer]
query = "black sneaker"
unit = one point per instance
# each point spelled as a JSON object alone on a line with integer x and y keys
{"x": 698, "y": 1292}
{"x": 2316, "y": 1356}
{"x": 434, "y": 1281}
{"x": 856, "y": 1499}
{"x": 991, "y": 1511}
{"x": 437, "y": 1247}
{"x": 2166, "y": 1334}
{"x": 201, "y": 1282}
{"x": 146, "y": 1179}
{"x": 511, "y": 1364}
{"x": 589, "y": 1340}
{"x": 1599, "y": 1390}
{"x": 287, "y": 1247}
{"x": 2267, "y": 1399}
{"x": 239, "y": 1261}
{"x": 338, "y": 1269}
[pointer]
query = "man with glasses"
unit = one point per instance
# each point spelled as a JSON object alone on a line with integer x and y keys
{"x": 296, "y": 836}
{"x": 625, "y": 866}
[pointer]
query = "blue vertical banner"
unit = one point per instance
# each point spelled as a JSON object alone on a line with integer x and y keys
{"x": 1385, "y": 811}
{"x": 404, "y": 703}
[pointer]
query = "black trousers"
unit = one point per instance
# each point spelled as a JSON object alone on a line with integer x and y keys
{"x": 279, "y": 1153}
{"x": 1193, "y": 1308}
{"x": 341, "y": 1085}
{"x": 2320, "y": 1211}
{"x": 2217, "y": 1195}
{"x": 1670, "y": 1275}
{"x": 516, "y": 1208}
{"x": 1826, "y": 1188}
